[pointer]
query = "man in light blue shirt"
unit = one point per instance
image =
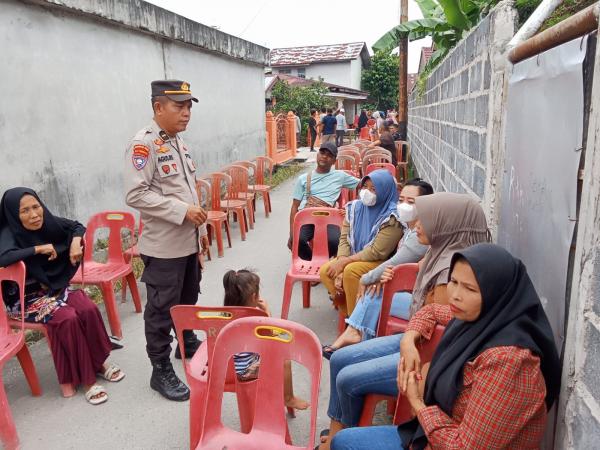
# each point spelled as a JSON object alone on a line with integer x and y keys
{"x": 341, "y": 127}
{"x": 326, "y": 183}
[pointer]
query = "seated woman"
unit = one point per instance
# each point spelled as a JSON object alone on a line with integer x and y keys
{"x": 363, "y": 320}
{"x": 370, "y": 233}
{"x": 51, "y": 249}
{"x": 448, "y": 223}
{"x": 386, "y": 140}
{"x": 495, "y": 373}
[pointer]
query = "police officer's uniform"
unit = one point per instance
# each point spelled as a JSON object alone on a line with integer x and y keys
{"x": 160, "y": 182}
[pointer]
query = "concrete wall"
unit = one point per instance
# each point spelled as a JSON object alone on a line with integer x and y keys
{"x": 451, "y": 121}
{"x": 356, "y": 67}
{"x": 76, "y": 87}
{"x": 333, "y": 72}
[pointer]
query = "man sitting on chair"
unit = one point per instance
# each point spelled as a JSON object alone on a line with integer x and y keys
{"x": 320, "y": 187}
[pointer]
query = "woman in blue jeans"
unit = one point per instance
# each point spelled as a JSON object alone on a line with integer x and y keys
{"x": 447, "y": 222}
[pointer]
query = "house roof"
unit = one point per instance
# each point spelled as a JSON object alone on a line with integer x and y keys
{"x": 302, "y": 56}
{"x": 334, "y": 89}
{"x": 426, "y": 53}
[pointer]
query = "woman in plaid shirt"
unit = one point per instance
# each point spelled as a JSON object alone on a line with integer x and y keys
{"x": 494, "y": 374}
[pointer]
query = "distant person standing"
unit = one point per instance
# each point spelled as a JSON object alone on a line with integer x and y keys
{"x": 298, "y": 126}
{"x": 341, "y": 127}
{"x": 312, "y": 128}
{"x": 320, "y": 125}
{"x": 160, "y": 182}
{"x": 329, "y": 125}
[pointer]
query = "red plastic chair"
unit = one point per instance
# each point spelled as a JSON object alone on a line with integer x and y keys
{"x": 216, "y": 219}
{"x": 104, "y": 275}
{"x": 376, "y": 166}
{"x": 377, "y": 151}
{"x": 238, "y": 207}
{"x": 263, "y": 164}
{"x": 11, "y": 344}
{"x": 375, "y": 158}
{"x": 354, "y": 165}
{"x": 404, "y": 279}
{"x": 211, "y": 320}
{"x": 364, "y": 133}
{"x": 129, "y": 254}
{"x": 240, "y": 180}
{"x": 403, "y": 158}
{"x": 276, "y": 341}
{"x": 308, "y": 271}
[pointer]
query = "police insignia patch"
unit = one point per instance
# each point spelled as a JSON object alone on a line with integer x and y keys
{"x": 174, "y": 166}
{"x": 162, "y": 150}
{"x": 159, "y": 142}
{"x": 140, "y": 156}
{"x": 166, "y": 169}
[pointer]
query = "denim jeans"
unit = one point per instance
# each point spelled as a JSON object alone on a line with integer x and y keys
{"x": 369, "y": 367}
{"x": 368, "y": 438}
{"x": 366, "y": 313}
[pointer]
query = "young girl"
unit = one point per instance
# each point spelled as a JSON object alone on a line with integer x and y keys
{"x": 242, "y": 289}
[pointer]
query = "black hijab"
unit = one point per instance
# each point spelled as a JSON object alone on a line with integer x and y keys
{"x": 511, "y": 315}
{"x": 57, "y": 231}
{"x": 362, "y": 119}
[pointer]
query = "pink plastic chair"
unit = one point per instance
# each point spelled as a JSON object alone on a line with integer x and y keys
{"x": 211, "y": 320}
{"x": 231, "y": 204}
{"x": 104, "y": 275}
{"x": 240, "y": 180}
{"x": 11, "y": 344}
{"x": 263, "y": 164}
{"x": 404, "y": 279}
{"x": 308, "y": 271}
{"x": 276, "y": 341}
{"x": 376, "y": 166}
{"x": 375, "y": 157}
{"x": 129, "y": 254}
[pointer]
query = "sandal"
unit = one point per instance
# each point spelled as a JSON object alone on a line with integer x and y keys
{"x": 94, "y": 391}
{"x": 327, "y": 351}
{"x": 110, "y": 371}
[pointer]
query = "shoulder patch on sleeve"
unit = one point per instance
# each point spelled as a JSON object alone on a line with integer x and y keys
{"x": 140, "y": 156}
{"x": 140, "y": 135}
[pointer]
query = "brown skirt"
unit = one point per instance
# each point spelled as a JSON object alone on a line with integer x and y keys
{"x": 80, "y": 344}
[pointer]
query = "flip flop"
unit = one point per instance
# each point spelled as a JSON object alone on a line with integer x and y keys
{"x": 327, "y": 351}
{"x": 110, "y": 371}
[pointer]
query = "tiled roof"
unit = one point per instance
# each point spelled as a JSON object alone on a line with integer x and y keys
{"x": 426, "y": 53}
{"x": 297, "y": 81}
{"x": 300, "y": 56}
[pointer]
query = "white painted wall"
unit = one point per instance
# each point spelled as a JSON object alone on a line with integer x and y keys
{"x": 75, "y": 89}
{"x": 333, "y": 72}
{"x": 355, "y": 73}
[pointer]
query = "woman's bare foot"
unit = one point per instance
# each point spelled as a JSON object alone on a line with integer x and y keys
{"x": 296, "y": 403}
{"x": 348, "y": 337}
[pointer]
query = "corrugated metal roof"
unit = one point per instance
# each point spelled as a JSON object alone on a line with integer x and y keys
{"x": 300, "y": 56}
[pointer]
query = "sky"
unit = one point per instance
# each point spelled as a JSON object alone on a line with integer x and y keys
{"x": 276, "y": 23}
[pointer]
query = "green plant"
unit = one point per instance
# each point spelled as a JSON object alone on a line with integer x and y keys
{"x": 446, "y": 21}
{"x": 381, "y": 81}
{"x": 284, "y": 173}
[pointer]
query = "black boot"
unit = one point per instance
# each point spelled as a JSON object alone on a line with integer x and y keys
{"x": 191, "y": 344}
{"x": 167, "y": 383}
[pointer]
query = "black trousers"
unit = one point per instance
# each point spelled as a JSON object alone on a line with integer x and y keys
{"x": 169, "y": 282}
{"x": 307, "y": 233}
{"x": 339, "y": 137}
{"x": 313, "y": 138}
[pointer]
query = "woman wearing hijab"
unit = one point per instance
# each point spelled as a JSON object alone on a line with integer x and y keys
{"x": 362, "y": 122}
{"x": 51, "y": 248}
{"x": 447, "y": 222}
{"x": 370, "y": 234}
{"x": 495, "y": 373}
{"x": 362, "y": 323}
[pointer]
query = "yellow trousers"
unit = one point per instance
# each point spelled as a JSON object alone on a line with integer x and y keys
{"x": 351, "y": 279}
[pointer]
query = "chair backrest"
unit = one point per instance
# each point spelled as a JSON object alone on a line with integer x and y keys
{"x": 377, "y": 151}
{"x": 353, "y": 153}
{"x": 15, "y": 272}
{"x": 320, "y": 218}
{"x": 402, "y": 155}
{"x": 115, "y": 221}
{"x": 264, "y": 164}
{"x": 347, "y": 162}
{"x": 376, "y": 166}
{"x": 426, "y": 350}
{"x": 403, "y": 280}
{"x": 251, "y": 166}
{"x": 375, "y": 158}
{"x": 203, "y": 186}
{"x": 239, "y": 181}
{"x": 210, "y": 319}
{"x": 217, "y": 180}
{"x": 276, "y": 341}
{"x": 371, "y": 122}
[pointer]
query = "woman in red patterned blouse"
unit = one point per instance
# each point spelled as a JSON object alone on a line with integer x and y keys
{"x": 494, "y": 374}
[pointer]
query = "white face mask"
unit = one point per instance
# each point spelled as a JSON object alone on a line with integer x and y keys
{"x": 367, "y": 197}
{"x": 406, "y": 212}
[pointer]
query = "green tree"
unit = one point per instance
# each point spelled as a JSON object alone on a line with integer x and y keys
{"x": 381, "y": 80}
{"x": 300, "y": 99}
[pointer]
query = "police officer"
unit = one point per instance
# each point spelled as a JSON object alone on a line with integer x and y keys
{"x": 160, "y": 182}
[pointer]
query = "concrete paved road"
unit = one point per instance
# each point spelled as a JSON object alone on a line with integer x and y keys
{"x": 136, "y": 417}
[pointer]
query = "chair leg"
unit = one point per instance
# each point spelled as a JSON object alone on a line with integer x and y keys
{"x": 239, "y": 213}
{"x": 306, "y": 294}
{"x": 29, "y": 370}
{"x": 287, "y": 296}
{"x": 226, "y": 222}
{"x": 111, "y": 309}
{"x": 123, "y": 290}
{"x": 266, "y": 201}
{"x": 135, "y": 293}
{"x": 219, "y": 239}
{"x": 209, "y": 227}
{"x": 8, "y": 432}
{"x": 250, "y": 214}
{"x": 368, "y": 411}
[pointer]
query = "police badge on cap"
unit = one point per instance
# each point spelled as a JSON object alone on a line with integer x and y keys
{"x": 176, "y": 90}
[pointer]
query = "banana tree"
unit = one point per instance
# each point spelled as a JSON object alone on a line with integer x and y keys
{"x": 446, "y": 21}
